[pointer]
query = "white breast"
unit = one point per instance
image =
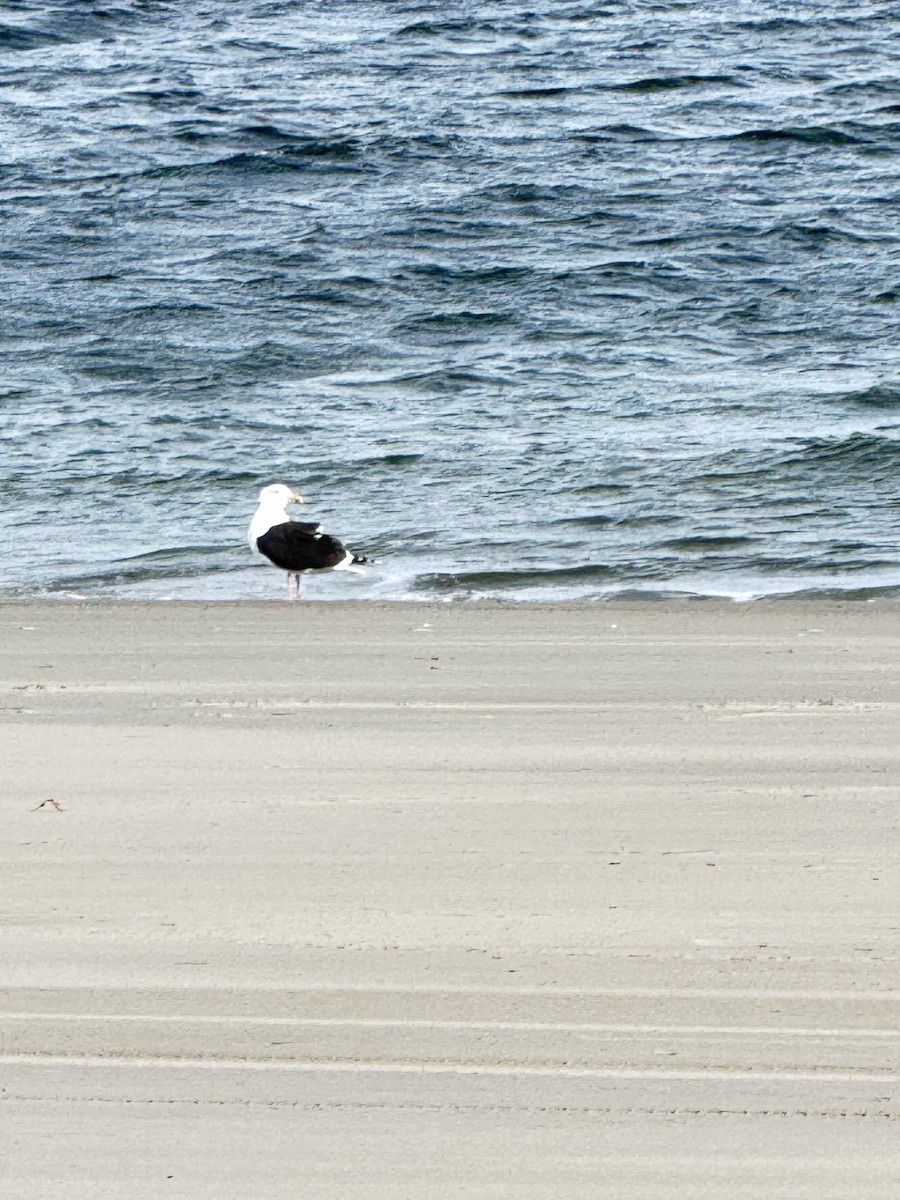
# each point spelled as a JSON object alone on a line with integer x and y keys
{"x": 267, "y": 515}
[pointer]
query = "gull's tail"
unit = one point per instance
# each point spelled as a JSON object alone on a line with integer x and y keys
{"x": 354, "y": 564}
{"x": 351, "y": 562}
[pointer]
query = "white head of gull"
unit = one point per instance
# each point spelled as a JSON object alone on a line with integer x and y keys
{"x": 295, "y": 546}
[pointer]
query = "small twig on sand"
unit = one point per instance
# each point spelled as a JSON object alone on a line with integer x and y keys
{"x": 55, "y": 804}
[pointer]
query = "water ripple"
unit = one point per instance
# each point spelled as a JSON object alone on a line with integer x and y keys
{"x": 534, "y": 300}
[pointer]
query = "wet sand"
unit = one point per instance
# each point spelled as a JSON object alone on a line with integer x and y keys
{"x": 442, "y": 900}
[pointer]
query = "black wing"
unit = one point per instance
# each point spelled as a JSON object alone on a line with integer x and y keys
{"x": 295, "y": 546}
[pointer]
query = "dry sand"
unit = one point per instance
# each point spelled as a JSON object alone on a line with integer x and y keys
{"x": 351, "y": 900}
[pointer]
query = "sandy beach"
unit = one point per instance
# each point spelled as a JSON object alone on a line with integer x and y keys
{"x": 450, "y": 900}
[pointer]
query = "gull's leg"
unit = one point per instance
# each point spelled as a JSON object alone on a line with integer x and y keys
{"x": 293, "y": 585}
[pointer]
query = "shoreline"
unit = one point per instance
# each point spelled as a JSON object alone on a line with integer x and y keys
{"x": 376, "y": 590}
{"x": 632, "y": 600}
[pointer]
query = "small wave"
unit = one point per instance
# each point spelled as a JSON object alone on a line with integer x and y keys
{"x": 812, "y": 135}
{"x": 268, "y": 133}
{"x": 489, "y": 274}
{"x": 279, "y": 360}
{"x": 173, "y": 554}
{"x": 865, "y": 87}
{"x": 273, "y": 144}
{"x": 184, "y": 564}
{"x": 218, "y": 421}
{"x": 394, "y": 459}
{"x": 531, "y": 193}
{"x": 841, "y": 592}
{"x": 883, "y": 395}
{"x": 337, "y": 297}
{"x": 164, "y": 97}
{"x": 449, "y": 381}
{"x": 296, "y": 156}
{"x": 772, "y": 25}
{"x": 14, "y": 37}
{"x": 860, "y": 455}
{"x": 455, "y": 25}
{"x": 813, "y": 235}
{"x": 592, "y": 12}
{"x": 539, "y": 93}
{"x": 468, "y": 581}
{"x": 254, "y": 44}
{"x": 597, "y": 216}
{"x": 455, "y": 322}
{"x": 186, "y": 482}
{"x": 618, "y": 133}
{"x": 592, "y": 521}
{"x": 668, "y": 83}
{"x": 591, "y": 488}
{"x": 703, "y": 544}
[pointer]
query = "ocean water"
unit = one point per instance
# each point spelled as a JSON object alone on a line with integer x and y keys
{"x": 545, "y": 300}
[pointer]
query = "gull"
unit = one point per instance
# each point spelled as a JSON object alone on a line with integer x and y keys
{"x": 295, "y": 546}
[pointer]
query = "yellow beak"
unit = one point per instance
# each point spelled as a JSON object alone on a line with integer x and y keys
{"x": 295, "y": 498}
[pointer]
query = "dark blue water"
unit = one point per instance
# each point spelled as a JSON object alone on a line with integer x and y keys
{"x": 530, "y": 300}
